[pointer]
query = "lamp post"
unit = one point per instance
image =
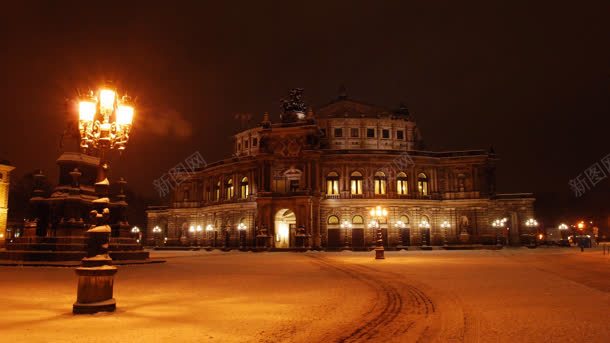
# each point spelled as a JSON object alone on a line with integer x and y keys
{"x": 563, "y": 228}
{"x": 531, "y": 223}
{"x": 499, "y": 224}
{"x": 156, "y": 235}
{"x": 378, "y": 214}
{"x": 199, "y": 232}
{"x": 400, "y": 225}
{"x": 241, "y": 228}
{"x": 346, "y": 225}
{"x": 136, "y": 232}
{"x": 445, "y": 225}
{"x": 424, "y": 225}
{"x": 208, "y": 229}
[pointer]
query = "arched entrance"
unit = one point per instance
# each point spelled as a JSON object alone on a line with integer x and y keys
{"x": 285, "y": 225}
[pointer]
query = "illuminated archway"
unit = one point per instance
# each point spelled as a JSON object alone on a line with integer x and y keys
{"x": 285, "y": 224}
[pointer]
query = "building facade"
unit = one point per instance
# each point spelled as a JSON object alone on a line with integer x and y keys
{"x": 5, "y": 174}
{"x": 311, "y": 180}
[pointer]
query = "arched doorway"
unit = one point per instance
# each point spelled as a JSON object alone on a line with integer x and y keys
{"x": 285, "y": 225}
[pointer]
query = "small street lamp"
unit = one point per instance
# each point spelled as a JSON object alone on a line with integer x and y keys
{"x": 400, "y": 225}
{"x": 209, "y": 229}
{"x": 199, "y": 233}
{"x": 136, "y": 232}
{"x": 346, "y": 225}
{"x": 156, "y": 235}
{"x": 563, "y": 228}
{"x": 532, "y": 223}
{"x": 378, "y": 214}
{"x": 445, "y": 225}
{"x": 499, "y": 224}
{"x": 424, "y": 225}
{"x": 241, "y": 228}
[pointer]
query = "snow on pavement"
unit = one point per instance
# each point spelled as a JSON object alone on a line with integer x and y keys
{"x": 526, "y": 295}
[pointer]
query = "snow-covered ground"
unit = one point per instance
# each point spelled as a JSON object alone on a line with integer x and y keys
{"x": 512, "y": 295}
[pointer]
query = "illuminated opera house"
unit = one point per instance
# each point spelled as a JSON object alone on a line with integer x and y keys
{"x": 311, "y": 180}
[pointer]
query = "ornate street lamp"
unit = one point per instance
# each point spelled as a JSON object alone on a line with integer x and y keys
{"x": 499, "y": 224}
{"x": 563, "y": 228}
{"x": 208, "y": 229}
{"x": 400, "y": 225}
{"x": 378, "y": 214}
{"x": 199, "y": 233}
{"x": 241, "y": 228}
{"x": 136, "y": 232}
{"x": 156, "y": 235}
{"x": 346, "y": 225}
{"x": 105, "y": 121}
{"x": 445, "y": 225}
{"x": 532, "y": 223}
{"x": 424, "y": 225}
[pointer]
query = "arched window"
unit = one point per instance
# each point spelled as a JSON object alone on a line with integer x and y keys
{"x": 422, "y": 184}
{"x": 333, "y": 220}
{"x": 186, "y": 194}
{"x": 332, "y": 183}
{"x": 402, "y": 186}
{"x": 404, "y": 219}
{"x": 217, "y": 191}
{"x": 356, "y": 183}
{"x": 357, "y": 220}
{"x": 380, "y": 183}
{"x": 461, "y": 178}
{"x": 244, "y": 188}
{"x": 229, "y": 189}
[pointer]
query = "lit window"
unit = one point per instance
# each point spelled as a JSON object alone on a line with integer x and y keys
{"x": 380, "y": 183}
{"x": 333, "y": 220}
{"x": 422, "y": 184}
{"x": 370, "y": 133}
{"x": 244, "y": 188}
{"x": 385, "y": 133}
{"x": 332, "y": 183}
{"x": 402, "y": 186}
{"x": 354, "y": 133}
{"x": 217, "y": 191}
{"x": 356, "y": 183}
{"x": 338, "y": 133}
{"x": 229, "y": 189}
{"x": 357, "y": 220}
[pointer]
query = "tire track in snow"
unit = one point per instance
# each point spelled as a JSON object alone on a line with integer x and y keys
{"x": 398, "y": 309}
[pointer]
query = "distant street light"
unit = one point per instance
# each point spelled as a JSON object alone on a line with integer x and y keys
{"x": 424, "y": 226}
{"x": 445, "y": 225}
{"x": 378, "y": 214}
{"x": 532, "y": 223}
{"x": 241, "y": 228}
{"x": 156, "y": 235}
{"x": 209, "y": 229}
{"x": 346, "y": 225}
{"x": 499, "y": 224}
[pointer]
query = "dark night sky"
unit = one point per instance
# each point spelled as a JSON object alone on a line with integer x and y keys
{"x": 531, "y": 79}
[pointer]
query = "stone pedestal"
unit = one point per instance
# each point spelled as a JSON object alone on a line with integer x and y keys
{"x": 95, "y": 285}
{"x": 96, "y": 273}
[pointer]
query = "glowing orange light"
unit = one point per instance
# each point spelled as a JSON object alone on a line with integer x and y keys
{"x": 107, "y": 99}
{"x": 124, "y": 115}
{"x": 86, "y": 110}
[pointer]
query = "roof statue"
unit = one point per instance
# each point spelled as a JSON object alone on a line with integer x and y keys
{"x": 293, "y": 106}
